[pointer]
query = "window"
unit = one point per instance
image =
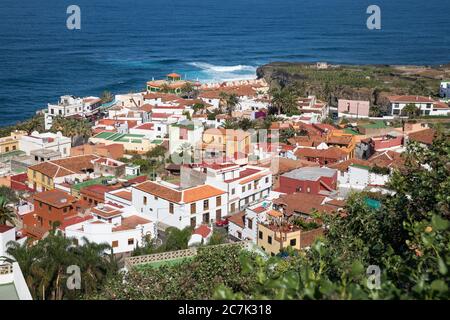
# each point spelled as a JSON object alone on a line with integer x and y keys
{"x": 298, "y": 189}
{"x": 52, "y": 111}
{"x": 293, "y": 242}
{"x": 260, "y": 235}
{"x": 249, "y": 187}
{"x": 130, "y": 241}
{"x": 428, "y": 105}
{"x": 308, "y": 189}
{"x": 206, "y": 218}
{"x": 145, "y": 200}
{"x": 250, "y": 224}
{"x": 218, "y": 201}
{"x": 205, "y": 204}
{"x": 115, "y": 244}
{"x": 7, "y": 149}
{"x": 65, "y": 210}
{"x": 219, "y": 215}
{"x": 193, "y": 208}
{"x": 156, "y": 198}
{"x": 193, "y": 222}
{"x": 40, "y": 204}
{"x": 269, "y": 239}
{"x": 267, "y": 179}
{"x": 49, "y": 208}
{"x": 170, "y": 207}
{"x": 243, "y": 189}
{"x": 396, "y": 112}
{"x": 233, "y": 191}
{"x": 239, "y": 234}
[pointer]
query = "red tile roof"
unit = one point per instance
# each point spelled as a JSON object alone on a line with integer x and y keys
{"x": 55, "y": 198}
{"x": 238, "y": 219}
{"x": 203, "y": 230}
{"x": 410, "y": 99}
{"x": 424, "y": 136}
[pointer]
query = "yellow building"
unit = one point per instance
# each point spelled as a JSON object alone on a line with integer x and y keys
{"x": 225, "y": 142}
{"x": 43, "y": 176}
{"x": 344, "y": 141}
{"x": 274, "y": 238}
{"x": 11, "y": 143}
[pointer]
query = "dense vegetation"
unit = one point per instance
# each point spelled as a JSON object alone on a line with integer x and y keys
{"x": 36, "y": 123}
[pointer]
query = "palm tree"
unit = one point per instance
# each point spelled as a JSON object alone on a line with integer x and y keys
{"x": 107, "y": 96}
{"x": 96, "y": 263}
{"x": 165, "y": 88}
{"x": 6, "y": 213}
{"x": 229, "y": 124}
{"x": 188, "y": 90}
{"x": 231, "y": 102}
{"x": 186, "y": 152}
{"x": 284, "y": 100}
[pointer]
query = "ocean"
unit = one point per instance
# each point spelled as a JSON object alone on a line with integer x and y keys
{"x": 124, "y": 43}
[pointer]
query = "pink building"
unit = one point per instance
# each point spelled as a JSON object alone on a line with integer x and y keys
{"x": 353, "y": 108}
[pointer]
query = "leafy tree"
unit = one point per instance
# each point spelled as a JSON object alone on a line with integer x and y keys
{"x": 8, "y": 194}
{"x": 156, "y": 152}
{"x": 177, "y": 239}
{"x": 197, "y": 107}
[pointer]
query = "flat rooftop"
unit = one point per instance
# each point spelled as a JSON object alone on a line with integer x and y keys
{"x": 310, "y": 173}
{"x": 120, "y": 137}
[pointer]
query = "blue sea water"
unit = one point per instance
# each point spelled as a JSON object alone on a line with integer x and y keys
{"x": 124, "y": 43}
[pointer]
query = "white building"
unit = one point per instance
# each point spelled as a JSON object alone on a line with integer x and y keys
{"x": 70, "y": 106}
{"x": 244, "y": 225}
{"x": 47, "y": 140}
{"x": 169, "y": 205}
{"x": 353, "y": 175}
{"x": 427, "y": 106}
{"x": 244, "y": 185}
{"x": 120, "y": 227}
{"x": 12, "y": 282}
{"x": 312, "y": 107}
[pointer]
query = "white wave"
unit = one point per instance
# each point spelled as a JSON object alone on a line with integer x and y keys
{"x": 213, "y": 73}
{"x": 207, "y": 66}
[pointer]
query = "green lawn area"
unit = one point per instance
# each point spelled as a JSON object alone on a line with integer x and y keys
{"x": 92, "y": 182}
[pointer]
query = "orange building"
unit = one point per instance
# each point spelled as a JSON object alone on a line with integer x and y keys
{"x": 50, "y": 208}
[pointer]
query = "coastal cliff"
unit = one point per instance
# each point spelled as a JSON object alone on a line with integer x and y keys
{"x": 368, "y": 82}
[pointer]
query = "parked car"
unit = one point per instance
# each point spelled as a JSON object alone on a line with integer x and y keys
{"x": 222, "y": 222}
